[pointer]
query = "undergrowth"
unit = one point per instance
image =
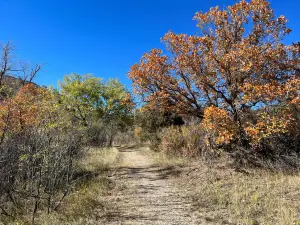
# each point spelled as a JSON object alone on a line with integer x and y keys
{"x": 84, "y": 203}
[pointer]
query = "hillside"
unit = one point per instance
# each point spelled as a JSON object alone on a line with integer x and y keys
{"x": 11, "y": 84}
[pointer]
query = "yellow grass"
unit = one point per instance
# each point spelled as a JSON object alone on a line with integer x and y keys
{"x": 99, "y": 159}
{"x": 225, "y": 196}
{"x": 164, "y": 160}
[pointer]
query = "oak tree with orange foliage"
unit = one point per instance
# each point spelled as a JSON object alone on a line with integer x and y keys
{"x": 238, "y": 63}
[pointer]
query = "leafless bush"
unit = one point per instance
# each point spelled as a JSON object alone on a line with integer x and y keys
{"x": 126, "y": 138}
{"x": 36, "y": 170}
{"x": 106, "y": 134}
{"x": 97, "y": 135}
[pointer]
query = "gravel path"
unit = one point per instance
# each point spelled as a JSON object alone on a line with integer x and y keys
{"x": 146, "y": 194}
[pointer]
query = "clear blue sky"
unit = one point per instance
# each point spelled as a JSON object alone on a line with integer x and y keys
{"x": 103, "y": 37}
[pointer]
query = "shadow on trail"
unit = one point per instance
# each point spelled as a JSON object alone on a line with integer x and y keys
{"x": 117, "y": 216}
{"x": 127, "y": 149}
{"x": 147, "y": 173}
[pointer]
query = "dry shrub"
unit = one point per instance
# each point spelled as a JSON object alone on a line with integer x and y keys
{"x": 97, "y": 135}
{"x": 187, "y": 141}
{"x": 91, "y": 184}
{"x": 172, "y": 141}
{"x": 36, "y": 168}
{"x": 126, "y": 138}
{"x": 102, "y": 134}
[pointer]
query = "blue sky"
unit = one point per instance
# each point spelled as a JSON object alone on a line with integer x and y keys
{"x": 103, "y": 37}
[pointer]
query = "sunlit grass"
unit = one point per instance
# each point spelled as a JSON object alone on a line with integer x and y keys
{"x": 162, "y": 159}
{"x": 260, "y": 197}
{"x": 97, "y": 159}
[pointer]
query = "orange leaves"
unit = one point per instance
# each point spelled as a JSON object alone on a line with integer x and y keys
{"x": 25, "y": 109}
{"x": 247, "y": 67}
{"x": 127, "y": 101}
{"x": 217, "y": 122}
{"x": 282, "y": 20}
{"x": 150, "y": 69}
{"x": 154, "y": 79}
{"x": 271, "y": 91}
{"x": 239, "y": 64}
{"x": 266, "y": 126}
{"x": 267, "y": 92}
{"x": 296, "y": 101}
{"x": 222, "y": 129}
{"x": 294, "y": 89}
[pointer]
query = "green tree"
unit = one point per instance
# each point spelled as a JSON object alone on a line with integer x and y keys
{"x": 105, "y": 107}
{"x": 117, "y": 107}
{"x": 81, "y": 95}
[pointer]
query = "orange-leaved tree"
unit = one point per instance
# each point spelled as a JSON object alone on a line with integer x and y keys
{"x": 238, "y": 63}
{"x": 31, "y": 105}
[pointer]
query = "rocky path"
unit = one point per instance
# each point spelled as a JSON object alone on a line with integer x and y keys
{"x": 146, "y": 193}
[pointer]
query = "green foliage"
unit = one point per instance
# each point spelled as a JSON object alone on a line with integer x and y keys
{"x": 105, "y": 108}
{"x": 88, "y": 98}
{"x": 117, "y": 105}
{"x": 81, "y": 96}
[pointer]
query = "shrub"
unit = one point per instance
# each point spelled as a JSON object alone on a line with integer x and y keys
{"x": 150, "y": 123}
{"x": 279, "y": 147}
{"x": 38, "y": 152}
{"x": 218, "y": 126}
{"x": 35, "y": 166}
{"x": 126, "y": 138}
{"x": 172, "y": 141}
{"x": 187, "y": 141}
{"x": 97, "y": 135}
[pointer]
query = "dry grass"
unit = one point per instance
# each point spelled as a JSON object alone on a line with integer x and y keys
{"x": 226, "y": 196}
{"x": 221, "y": 194}
{"x": 81, "y": 206}
{"x": 99, "y": 159}
{"x": 161, "y": 159}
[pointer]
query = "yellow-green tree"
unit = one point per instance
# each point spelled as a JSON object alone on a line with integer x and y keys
{"x": 88, "y": 98}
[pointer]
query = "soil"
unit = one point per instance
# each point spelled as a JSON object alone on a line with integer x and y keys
{"x": 145, "y": 193}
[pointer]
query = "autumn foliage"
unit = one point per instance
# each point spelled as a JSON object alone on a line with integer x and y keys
{"x": 26, "y": 109}
{"x": 235, "y": 75}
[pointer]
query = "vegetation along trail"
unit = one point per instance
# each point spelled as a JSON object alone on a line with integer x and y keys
{"x": 147, "y": 193}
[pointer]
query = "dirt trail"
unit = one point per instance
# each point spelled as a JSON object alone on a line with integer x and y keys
{"x": 146, "y": 194}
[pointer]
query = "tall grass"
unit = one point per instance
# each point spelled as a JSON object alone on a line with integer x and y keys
{"x": 254, "y": 197}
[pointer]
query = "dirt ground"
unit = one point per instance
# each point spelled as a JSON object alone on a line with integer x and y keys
{"x": 146, "y": 194}
{"x": 145, "y": 190}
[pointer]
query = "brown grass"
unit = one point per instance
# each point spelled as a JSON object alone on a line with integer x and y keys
{"x": 164, "y": 160}
{"x": 226, "y": 196}
{"x": 99, "y": 159}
